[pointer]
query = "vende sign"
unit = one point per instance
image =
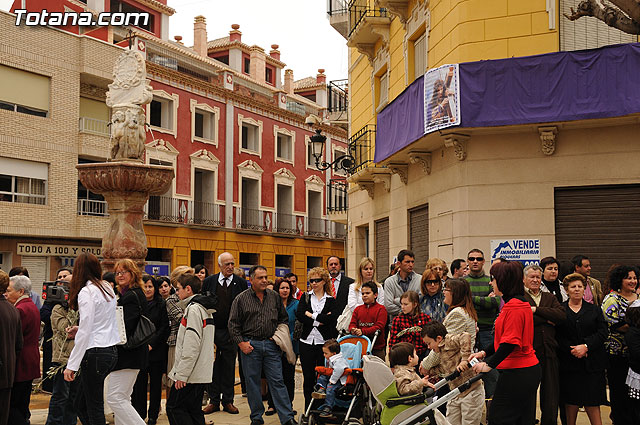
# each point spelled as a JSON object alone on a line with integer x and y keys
{"x": 61, "y": 250}
{"x": 527, "y": 251}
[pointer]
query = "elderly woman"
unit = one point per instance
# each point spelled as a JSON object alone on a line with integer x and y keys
{"x": 623, "y": 281}
{"x": 431, "y": 295}
{"x": 316, "y": 311}
{"x": 514, "y": 399}
{"x": 547, "y": 311}
{"x": 28, "y": 366}
{"x": 366, "y": 271}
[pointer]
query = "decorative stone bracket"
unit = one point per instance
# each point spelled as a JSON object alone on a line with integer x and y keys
{"x": 421, "y": 157}
{"x": 548, "y": 139}
{"x": 367, "y": 185}
{"x": 400, "y": 8}
{"x": 382, "y": 176}
{"x": 458, "y": 143}
{"x": 402, "y": 170}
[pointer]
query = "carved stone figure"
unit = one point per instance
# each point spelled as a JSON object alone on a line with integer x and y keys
{"x": 127, "y": 133}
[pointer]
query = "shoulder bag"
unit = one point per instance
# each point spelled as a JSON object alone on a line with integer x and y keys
{"x": 143, "y": 333}
{"x": 297, "y": 328}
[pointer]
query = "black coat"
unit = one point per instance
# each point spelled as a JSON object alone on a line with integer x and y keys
{"x": 157, "y": 313}
{"x": 10, "y": 342}
{"x": 586, "y": 327}
{"x": 210, "y": 288}
{"x": 544, "y": 333}
{"x": 327, "y": 317}
{"x": 632, "y": 339}
{"x": 342, "y": 297}
{"x": 136, "y": 358}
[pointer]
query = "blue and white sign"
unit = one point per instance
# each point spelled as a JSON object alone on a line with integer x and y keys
{"x": 527, "y": 251}
{"x": 281, "y": 271}
{"x": 157, "y": 268}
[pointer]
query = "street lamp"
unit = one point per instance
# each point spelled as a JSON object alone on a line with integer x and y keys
{"x": 345, "y": 162}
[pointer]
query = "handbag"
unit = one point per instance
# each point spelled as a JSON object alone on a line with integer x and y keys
{"x": 297, "y": 328}
{"x": 143, "y": 333}
{"x": 344, "y": 320}
{"x": 122, "y": 332}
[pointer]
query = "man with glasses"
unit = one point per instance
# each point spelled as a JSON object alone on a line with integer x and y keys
{"x": 396, "y": 285}
{"x": 486, "y": 305}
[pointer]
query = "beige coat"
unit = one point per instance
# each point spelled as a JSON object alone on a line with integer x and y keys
{"x": 61, "y": 319}
{"x": 407, "y": 380}
{"x": 282, "y": 338}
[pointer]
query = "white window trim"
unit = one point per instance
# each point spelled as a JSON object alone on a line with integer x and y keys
{"x": 250, "y": 169}
{"x": 204, "y": 160}
{"x": 418, "y": 23}
{"x": 175, "y": 98}
{"x": 315, "y": 184}
{"x": 161, "y": 150}
{"x": 242, "y": 119}
{"x": 338, "y": 151}
{"x": 193, "y": 105}
{"x": 289, "y": 133}
{"x": 284, "y": 177}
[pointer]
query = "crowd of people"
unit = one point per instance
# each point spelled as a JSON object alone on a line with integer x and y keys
{"x": 119, "y": 337}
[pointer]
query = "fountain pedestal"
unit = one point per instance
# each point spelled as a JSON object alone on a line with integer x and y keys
{"x": 126, "y": 187}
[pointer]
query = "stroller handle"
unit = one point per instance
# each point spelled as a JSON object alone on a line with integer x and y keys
{"x": 456, "y": 373}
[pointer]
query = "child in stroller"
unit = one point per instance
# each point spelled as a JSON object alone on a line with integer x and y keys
{"x": 328, "y": 385}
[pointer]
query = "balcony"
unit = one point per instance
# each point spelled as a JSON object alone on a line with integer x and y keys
{"x": 94, "y": 126}
{"x": 183, "y": 211}
{"x": 338, "y": 103}
{"x": 400, "y": 8}
{"x": 93, "y": 135}
{"x": 337, "y": 200}
{"x": 362, "y": 147}
{"x": 92, "y": 207}
{"x": 338, "y": 13}
{"x": 367, "y": 25}
{"x": 253, "y": 220}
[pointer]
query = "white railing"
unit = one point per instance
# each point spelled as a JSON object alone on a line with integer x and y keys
{"x": 92, "y": 207}
{"x": 94, "y": 126}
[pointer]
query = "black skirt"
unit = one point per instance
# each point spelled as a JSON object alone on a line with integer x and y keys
{"x": 582, "y": 388}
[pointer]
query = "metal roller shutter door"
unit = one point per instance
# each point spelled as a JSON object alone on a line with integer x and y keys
{"x": 419, "y": 236}
{"x": 382, "y": 249}
{"x": 37, "y": 268}
{"x": 601, "y": 222}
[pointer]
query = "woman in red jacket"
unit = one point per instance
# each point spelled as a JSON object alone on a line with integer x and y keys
{"x": 514, "y": 400}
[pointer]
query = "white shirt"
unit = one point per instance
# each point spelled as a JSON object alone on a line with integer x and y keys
{"x": 225, "y": 281}
{"x": 317, "y": 305}
{"x": 355, "y": 297}
{"x": 98, "y": 324}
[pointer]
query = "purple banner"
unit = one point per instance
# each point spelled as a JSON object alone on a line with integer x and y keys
{"x": 561, "y": 86}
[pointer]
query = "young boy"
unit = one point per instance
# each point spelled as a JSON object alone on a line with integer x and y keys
{"x": 448, "y": 353}
{"x": 403, "y": 360}
{"x": 194, "y": 354}
{"x": 369, "y": 318}
{"x": 328, "y": 385}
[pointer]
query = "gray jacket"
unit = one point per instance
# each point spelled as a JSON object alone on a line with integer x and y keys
{"x": 393, "y": 292}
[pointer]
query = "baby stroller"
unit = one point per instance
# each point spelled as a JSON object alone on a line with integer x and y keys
{"x": 354, "y": 400}
{"x": 411, "y": 409}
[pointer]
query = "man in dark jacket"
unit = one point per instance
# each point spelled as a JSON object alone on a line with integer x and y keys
{"x": 10, "y": 346}
{"x": 339, "y": 284}
{"x": 223, "y": 287}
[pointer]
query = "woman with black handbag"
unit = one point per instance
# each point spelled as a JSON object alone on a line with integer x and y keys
{"x": 130, "y": 358}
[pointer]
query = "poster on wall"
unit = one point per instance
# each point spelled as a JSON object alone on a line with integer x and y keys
{"x": 527, "y": 251}
{"x": 441, "y": 98}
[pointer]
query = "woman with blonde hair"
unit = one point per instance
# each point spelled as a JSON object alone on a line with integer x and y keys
{"x": 366, "y": 270}
{"x": 439, "y": 266}
{"x": 431, "y": 296}
{"x": 130, "y": 360}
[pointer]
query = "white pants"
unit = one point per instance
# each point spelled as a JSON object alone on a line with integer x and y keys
{"x": 467, "y": 410}
{"x": 119, "y": 397}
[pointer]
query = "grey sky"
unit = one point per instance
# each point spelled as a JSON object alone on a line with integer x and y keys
{"x": 300, "y": 27}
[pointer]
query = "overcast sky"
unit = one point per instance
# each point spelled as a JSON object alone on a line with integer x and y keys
{"x": 300, "y": 27}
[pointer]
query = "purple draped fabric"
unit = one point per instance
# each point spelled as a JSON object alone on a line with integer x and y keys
{"x": 561, "y": 86}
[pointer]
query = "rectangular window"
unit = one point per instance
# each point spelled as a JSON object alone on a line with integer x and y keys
{"x": 24, "y": 92}
{"x": 246, "y": 67}
{"x": 311, "y": 160}
{"x": 269, "y": 76}
{"x": 119, "y": 6}
{"x": 249, "y": 137}
{"x": 23, "y": 181}
{"x": 204, "y": 124}
{"x": 419, "y": 56}
{"x": 283, "y": 146}
{"x": 383, "y": 89}
{"x": 161, "y": 113}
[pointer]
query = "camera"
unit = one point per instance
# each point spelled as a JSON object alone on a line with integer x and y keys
{"x": 55, "y": 293}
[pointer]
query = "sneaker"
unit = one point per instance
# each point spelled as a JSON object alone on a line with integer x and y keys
{"x": 319, "y": 394}
{"x": 325, "y": 412}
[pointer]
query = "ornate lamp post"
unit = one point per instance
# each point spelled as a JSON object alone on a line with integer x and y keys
{"x": 345, "y": 162}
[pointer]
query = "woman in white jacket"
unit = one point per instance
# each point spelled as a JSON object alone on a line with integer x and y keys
{"x": 366, "y": 270}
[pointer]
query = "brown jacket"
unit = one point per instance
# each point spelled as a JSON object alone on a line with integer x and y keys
{"x": 61, "y": 318}
{"x": 547, "y": 314}
{"x": 10, "y": 342}
{"x": 453, "y": 348}
{"x": 407, "y": 380}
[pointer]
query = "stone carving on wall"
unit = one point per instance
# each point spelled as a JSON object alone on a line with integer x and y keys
{"x": 457, "y": 142}
{"x": 548, "y": 139}
{"x": 423, "y": 158}
{"x": 127, "y": 133}
{"x": 402, "y": 170}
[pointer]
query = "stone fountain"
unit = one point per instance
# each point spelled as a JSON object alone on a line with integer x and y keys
{"x": 125, "y": 180}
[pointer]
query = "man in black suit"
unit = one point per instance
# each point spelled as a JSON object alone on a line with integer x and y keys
{"x": 339, "y": 283}
{"x": 225, "y": 287}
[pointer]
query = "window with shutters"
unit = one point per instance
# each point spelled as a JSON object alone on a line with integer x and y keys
{"x": 24, "y": 92}
{"x": 382, "y": 248}
{"x": 419, "y": 235}
{"x": 587, "y": 32}
{"x": 419, "y": 55}
{"x": 23, "y": 181}
{"x": 382, "y": 86}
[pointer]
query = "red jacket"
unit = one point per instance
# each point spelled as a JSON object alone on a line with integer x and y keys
{"x": 28, "y": 364}
{"x": 369, "y": 319}
{"x": 514, "y": 325}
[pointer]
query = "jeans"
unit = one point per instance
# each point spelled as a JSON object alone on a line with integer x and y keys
{"x": 330, "y": 390}
{"x": 484, "y": 339}
{"x": 289, "y": 376}
{"x": 184, "y": 406}
{"x": 266, "y": 356}
{"x": 61, "y": 409}
{"x": 96, "y": 365}
{"x": 119, "y": 396}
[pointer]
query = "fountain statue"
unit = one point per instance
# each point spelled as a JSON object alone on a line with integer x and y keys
{"x": 125, "y": 180}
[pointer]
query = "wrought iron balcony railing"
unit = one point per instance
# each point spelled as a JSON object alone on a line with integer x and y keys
{"x": 337, "y": 7}
{"x": 362, "y": 147}
{"x": 360, "y": 9}
{"x": 184, "y": 211}
{"x": 337, "y": 195}
{"x": 338, "y": 95}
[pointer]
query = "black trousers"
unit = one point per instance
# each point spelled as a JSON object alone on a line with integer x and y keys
{"x": 514, "y": 400}
{"x": 5, "y": 402}
{"x": 289, "y": 376}
{"x": 19, "y": 405}
{"x": 47, "y": 354}
{"x": 184, "y": 406}
{"x": 618, "y": 391}
{"x": 152, "y": 375}
{"x": 224, "y": 369}
{"x": 310, "y": 357}
{"x": 549, "y": 390}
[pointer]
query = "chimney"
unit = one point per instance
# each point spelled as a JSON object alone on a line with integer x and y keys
{"x": 288, "y": 81}
{"x": 321, "y": 78}
{"x": 258, "y": 63}
{"x": 275, "y": 53}
{"x": 178, "y": 39}
{"x": 235, "y": 34}
{"x": 200, "y": 35}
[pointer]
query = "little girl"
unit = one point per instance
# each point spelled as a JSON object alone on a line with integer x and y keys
{"x": 407, "y": 326}
{"x": 632, "y": 339}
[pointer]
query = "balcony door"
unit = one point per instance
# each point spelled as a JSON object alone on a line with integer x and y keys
{"x": 314, "y": 212}
{"x": 204, "y": 208}
{"x": 284, "y": 199}
{"x": 160, "y": 207}
{"x": 250, "y": 215}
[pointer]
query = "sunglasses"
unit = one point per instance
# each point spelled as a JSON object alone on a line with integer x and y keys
{"x": 475, "y": 258}
{"x": 316, "y": 280}
{"x": 432, "y": 282}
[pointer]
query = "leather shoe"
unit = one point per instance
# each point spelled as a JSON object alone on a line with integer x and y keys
{"x": 291, "y": 422}
{"x": 230, "y": 408}
{"x": 210, "y": 408}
